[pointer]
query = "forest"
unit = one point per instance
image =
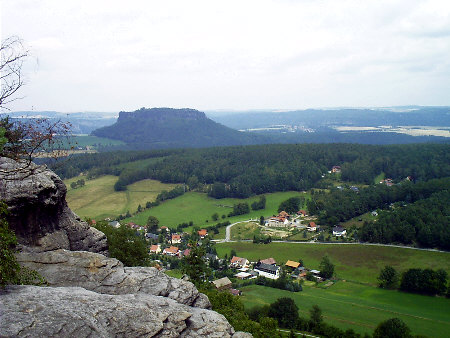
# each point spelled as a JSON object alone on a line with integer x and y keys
{"x": 242, "y": 171}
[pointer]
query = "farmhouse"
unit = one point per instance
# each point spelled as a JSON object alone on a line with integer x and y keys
{"x": 151, "y": 236}
{"x": 176, "y": 238}
{"x": 292, "y": 264}
{"x": 243, "y": 275}
{"x": 238, "y": 262}
{"x": 311, "y": 226}
{"x": 339, "y": 231}
{"x": 203, "y": 233}
{"x": 171, "y": 251}
{"x": 155, "y": 249}
{"x": 282, "y": 220}
{"x": 336, "y": 169}
{"x": 302, "y": 213}
{"x": 269, "y": 261}
{"x": 268, "y": 271}
{"x": 222, "y": 283}
{"x": 299, "y": 272}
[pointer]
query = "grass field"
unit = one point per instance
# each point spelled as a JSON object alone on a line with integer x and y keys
{"x": 379, "y": 178}
{"x": 245, "y": 230}
{"x": 358, "y": 263}
{"x": 355, "y": 221}
{"x": 362, "y": 308}
{"x": 198, "y": 207}
{"x": 97, "y": 199}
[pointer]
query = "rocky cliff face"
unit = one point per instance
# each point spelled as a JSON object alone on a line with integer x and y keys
{"x": 38, "y": 212}
{"x": 88, "y": 294}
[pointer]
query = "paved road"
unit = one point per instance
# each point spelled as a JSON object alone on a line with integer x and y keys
{"x": 228, "y": 230}
{"x": 228, "y": 239}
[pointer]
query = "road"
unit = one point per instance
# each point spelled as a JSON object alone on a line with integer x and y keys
{"x": 228, "y": 239}
{"x": 228, "y": 230}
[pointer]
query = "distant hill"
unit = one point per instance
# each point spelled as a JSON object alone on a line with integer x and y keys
{"x": 81, "y": 123}
{"x": 314, "y": 118}
{"x": 173, "y": 128}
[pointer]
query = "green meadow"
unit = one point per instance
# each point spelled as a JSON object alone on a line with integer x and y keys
{"x": 199, "y": 208}
{"x": 353, "y": 262}
{"x": 98, "y": 200}
{"x": 360, "y": 307}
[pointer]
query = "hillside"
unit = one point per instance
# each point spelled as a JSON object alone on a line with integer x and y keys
{"x": 172, "y": 128}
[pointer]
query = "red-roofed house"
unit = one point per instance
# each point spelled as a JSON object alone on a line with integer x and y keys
{"x": 203, "y": 233}
{"x": 311, "y": 226}
{"x": 336, "y": 169}
{"x": 269, "y": 261}
{"x": 171, "y": 251}
{"x": 302, "y": 213}
{"x": 176, "y": 238}
{"x": 155, "y": 249}
{"x": 238, "y": 262}
{"x": 186, "y": 252}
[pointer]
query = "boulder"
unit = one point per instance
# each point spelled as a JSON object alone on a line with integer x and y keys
{"x": 105, "y": 275}
{"x": 38, "y": 211}
{"x": 30, "y": 311}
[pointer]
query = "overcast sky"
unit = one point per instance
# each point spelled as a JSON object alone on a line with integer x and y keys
{"x": 112, "y": 55}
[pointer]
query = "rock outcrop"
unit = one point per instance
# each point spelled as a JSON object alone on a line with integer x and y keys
{"x": 38, "y": 211}
{"x": 89, "y": 294}
{"x": 30, "y": 311}
{"x": 98, "y": 273}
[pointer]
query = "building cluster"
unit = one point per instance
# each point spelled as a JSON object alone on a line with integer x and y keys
{"x": 174, "y": 243}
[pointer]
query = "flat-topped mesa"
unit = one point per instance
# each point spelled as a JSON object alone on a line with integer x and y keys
{"x": 162, "y": 114}
{"x": 38, "y": 212}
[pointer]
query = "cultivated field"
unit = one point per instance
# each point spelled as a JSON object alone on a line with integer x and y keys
{"x": 98, "y": 200}
{"x": 358, "y": 263}
{"x": 362, "y": 308}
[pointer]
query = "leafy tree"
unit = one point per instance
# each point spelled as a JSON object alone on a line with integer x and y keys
{"x": 125, "y": 244}
{"x": 285, "y": 311}
{"x": 194, "y": 265}
{"x": 315, "y": 316}
{"x": 388, "y": 278}
{"x": 392, "y": 328}
{"x": 291, "y": 205}
{"x": 261, "y": 220}
{"x": 260, "y": 204}
{"x": 152, "y": 224}
{"x": 326, "y": 268}
{"x": 215, "y": 216}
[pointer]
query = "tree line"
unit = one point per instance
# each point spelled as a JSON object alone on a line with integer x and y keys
{"x": 341, "y": 205}
{"x": 425, "y": 222}
{"x": 242, "y": 171}
{"x": 423, "y": 281}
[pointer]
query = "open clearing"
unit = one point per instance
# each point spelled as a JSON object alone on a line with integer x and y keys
{"x": 361, "y": 263}
{"x": 97, "y": 199}
{"x": 362, "y": 308}
{"x": 198, "y": 208}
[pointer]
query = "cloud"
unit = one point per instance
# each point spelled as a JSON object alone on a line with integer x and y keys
{"x": 234, "y": 54}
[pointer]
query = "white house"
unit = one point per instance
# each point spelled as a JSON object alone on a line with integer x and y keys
{"x": 312, "y": 226}
{"x": 339, "y": 231}
{"x": 268, "y": 271}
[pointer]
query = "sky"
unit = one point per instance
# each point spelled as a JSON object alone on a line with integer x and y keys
{"x": 114, "y": 56}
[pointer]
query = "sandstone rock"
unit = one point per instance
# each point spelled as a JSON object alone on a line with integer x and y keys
{"x": 98, "y": 273}
{"x": 30, "y": 311}
{"x": 38, "y": 212}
